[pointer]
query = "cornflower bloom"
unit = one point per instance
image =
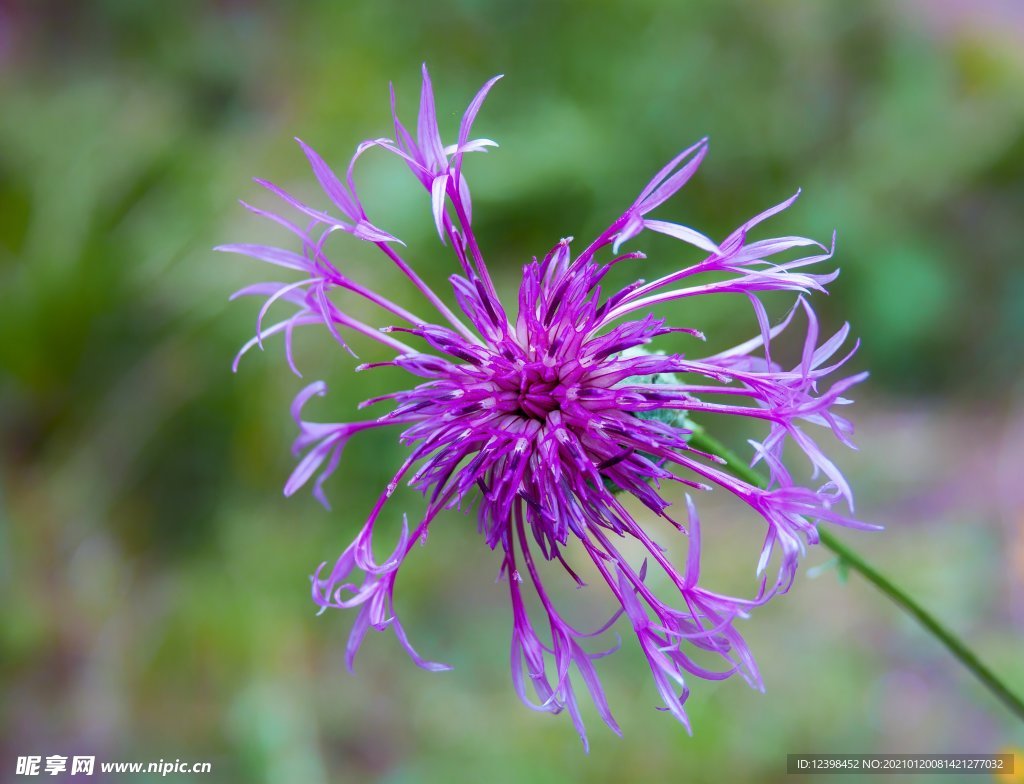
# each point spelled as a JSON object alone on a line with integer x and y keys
{"x": 546, "y": 415}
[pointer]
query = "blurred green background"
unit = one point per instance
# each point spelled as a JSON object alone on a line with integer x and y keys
{"x": 154, "y": 580}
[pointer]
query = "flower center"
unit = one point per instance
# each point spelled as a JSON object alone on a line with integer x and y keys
{"x": 538, "y": 390}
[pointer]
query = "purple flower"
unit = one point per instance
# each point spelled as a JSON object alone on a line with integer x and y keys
{"x": 548, "y": 413}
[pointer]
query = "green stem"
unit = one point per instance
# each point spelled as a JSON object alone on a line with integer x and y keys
{"x": 851, "y": 559}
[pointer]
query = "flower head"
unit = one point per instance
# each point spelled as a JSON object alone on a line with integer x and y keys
{"x": 547, "y": 412}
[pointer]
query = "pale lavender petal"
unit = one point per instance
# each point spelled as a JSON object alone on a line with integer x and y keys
{"x": 683, "y": 233}
{"x": 329, "y": 181}
{"x": 437, "y": 194}
{"x": 427, "y": 135}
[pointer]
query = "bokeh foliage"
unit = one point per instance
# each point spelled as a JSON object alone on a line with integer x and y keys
{"x": 155, "y": 581}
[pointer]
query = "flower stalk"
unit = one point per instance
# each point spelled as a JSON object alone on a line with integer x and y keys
{"x": 852, "y": 560}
